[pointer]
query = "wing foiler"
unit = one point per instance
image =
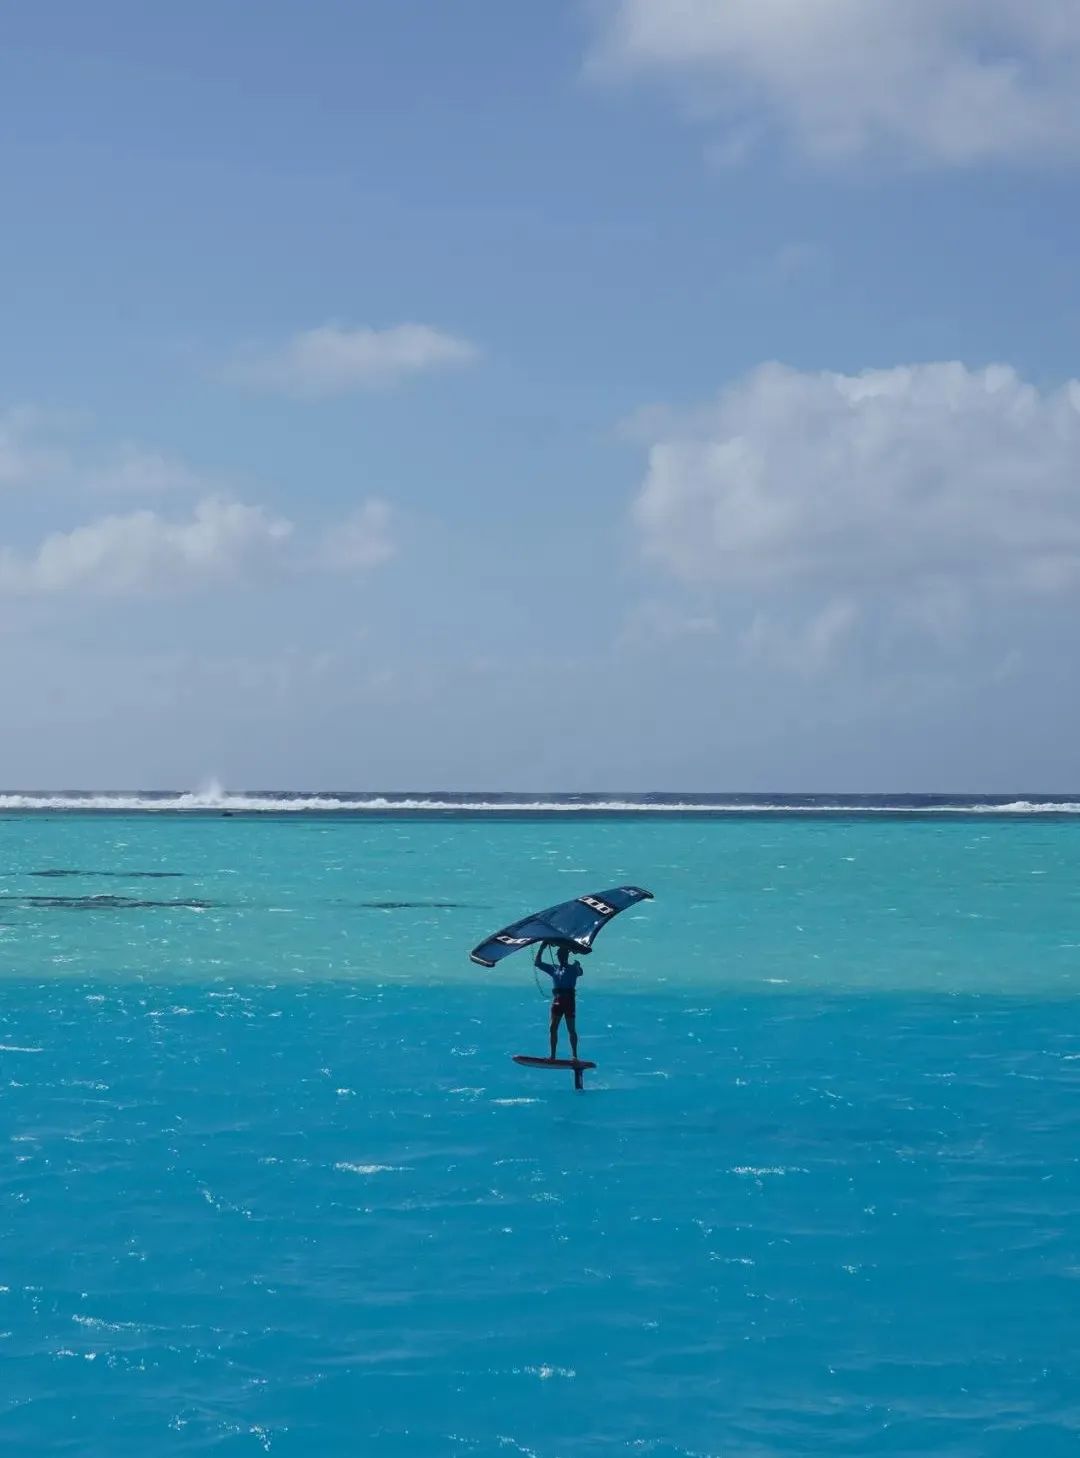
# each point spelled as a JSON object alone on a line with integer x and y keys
{"x": 576, "y": 923}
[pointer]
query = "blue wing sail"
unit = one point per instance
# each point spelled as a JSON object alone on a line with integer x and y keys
{"x": 577, "y": 922}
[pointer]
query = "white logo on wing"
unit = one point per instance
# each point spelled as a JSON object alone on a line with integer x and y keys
{"x": 601, "y": 906}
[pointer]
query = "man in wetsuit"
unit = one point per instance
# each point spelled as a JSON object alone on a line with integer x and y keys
{"x": 564, "y": 975}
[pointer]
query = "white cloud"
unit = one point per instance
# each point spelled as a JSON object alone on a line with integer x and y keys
{"x": 945, "y": 81}
{"x": 794, "y": 261}
{"x": 134, "y": 471}
{"x": 40, "y": 447}
{"x": 925, "y": 485}
{"x": 335, "y": 361}
{"x": 24, "y": 457}
{"x": 655, "y": 622}
{"x": 362, "y": 541}
{"x": 804, "y": 648}
{"x": 146, "y": 553}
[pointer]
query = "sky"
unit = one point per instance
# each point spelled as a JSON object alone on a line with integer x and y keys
{"x": 565, "y": 394}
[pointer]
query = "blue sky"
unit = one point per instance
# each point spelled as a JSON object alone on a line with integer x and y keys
{"x": 634, "y": 394}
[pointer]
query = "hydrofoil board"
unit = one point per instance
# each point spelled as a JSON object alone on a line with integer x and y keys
{"x": 576, "y": 1065}
{"x": 529, "y": 1062}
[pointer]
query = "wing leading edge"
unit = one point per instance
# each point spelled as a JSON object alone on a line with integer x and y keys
{"x": 577, "y": 922}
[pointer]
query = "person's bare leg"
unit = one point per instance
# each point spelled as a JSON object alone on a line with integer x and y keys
{"x": 571, "y": 1028}
{"x": 555, "y": 1016}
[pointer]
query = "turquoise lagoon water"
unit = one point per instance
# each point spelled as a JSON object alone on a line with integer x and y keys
{"x": 271, "y": 1182}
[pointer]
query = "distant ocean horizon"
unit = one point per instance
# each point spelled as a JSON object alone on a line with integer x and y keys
{"x": 212, "y": 798}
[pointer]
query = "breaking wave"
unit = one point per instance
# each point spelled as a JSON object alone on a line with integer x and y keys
{"x": 214, "y": 800}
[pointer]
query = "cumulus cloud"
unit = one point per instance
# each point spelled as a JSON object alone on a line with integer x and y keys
{"x": 926, "y": 484}
{"x": 941, "y": 81}
{"x": 362, "y": 541}
{"x": 148, "y": 550}
{"x": 335, "y": 361}
{"x": 143, "y": 552}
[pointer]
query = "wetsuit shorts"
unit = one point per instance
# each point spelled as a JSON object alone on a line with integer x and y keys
{"x": 564, "y": 1001}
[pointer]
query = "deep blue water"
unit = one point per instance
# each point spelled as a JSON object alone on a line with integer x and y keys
{"x": 272, "y": 1183}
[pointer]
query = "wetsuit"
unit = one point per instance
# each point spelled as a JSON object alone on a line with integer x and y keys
{"x": 564, "y": 981}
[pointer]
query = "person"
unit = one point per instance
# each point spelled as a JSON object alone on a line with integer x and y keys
{"x": 564, "y": 975}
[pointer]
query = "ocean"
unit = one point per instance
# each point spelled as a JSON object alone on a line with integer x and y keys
{"x": 271, "y": 1182}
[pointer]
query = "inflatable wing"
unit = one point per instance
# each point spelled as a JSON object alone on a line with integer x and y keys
{"x": 575, "y": 922}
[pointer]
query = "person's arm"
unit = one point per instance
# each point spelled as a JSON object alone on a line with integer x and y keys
{"x": 538, "y": 961}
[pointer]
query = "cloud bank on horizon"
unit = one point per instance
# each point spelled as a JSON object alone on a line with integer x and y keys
{"x": 859, "y": 508}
